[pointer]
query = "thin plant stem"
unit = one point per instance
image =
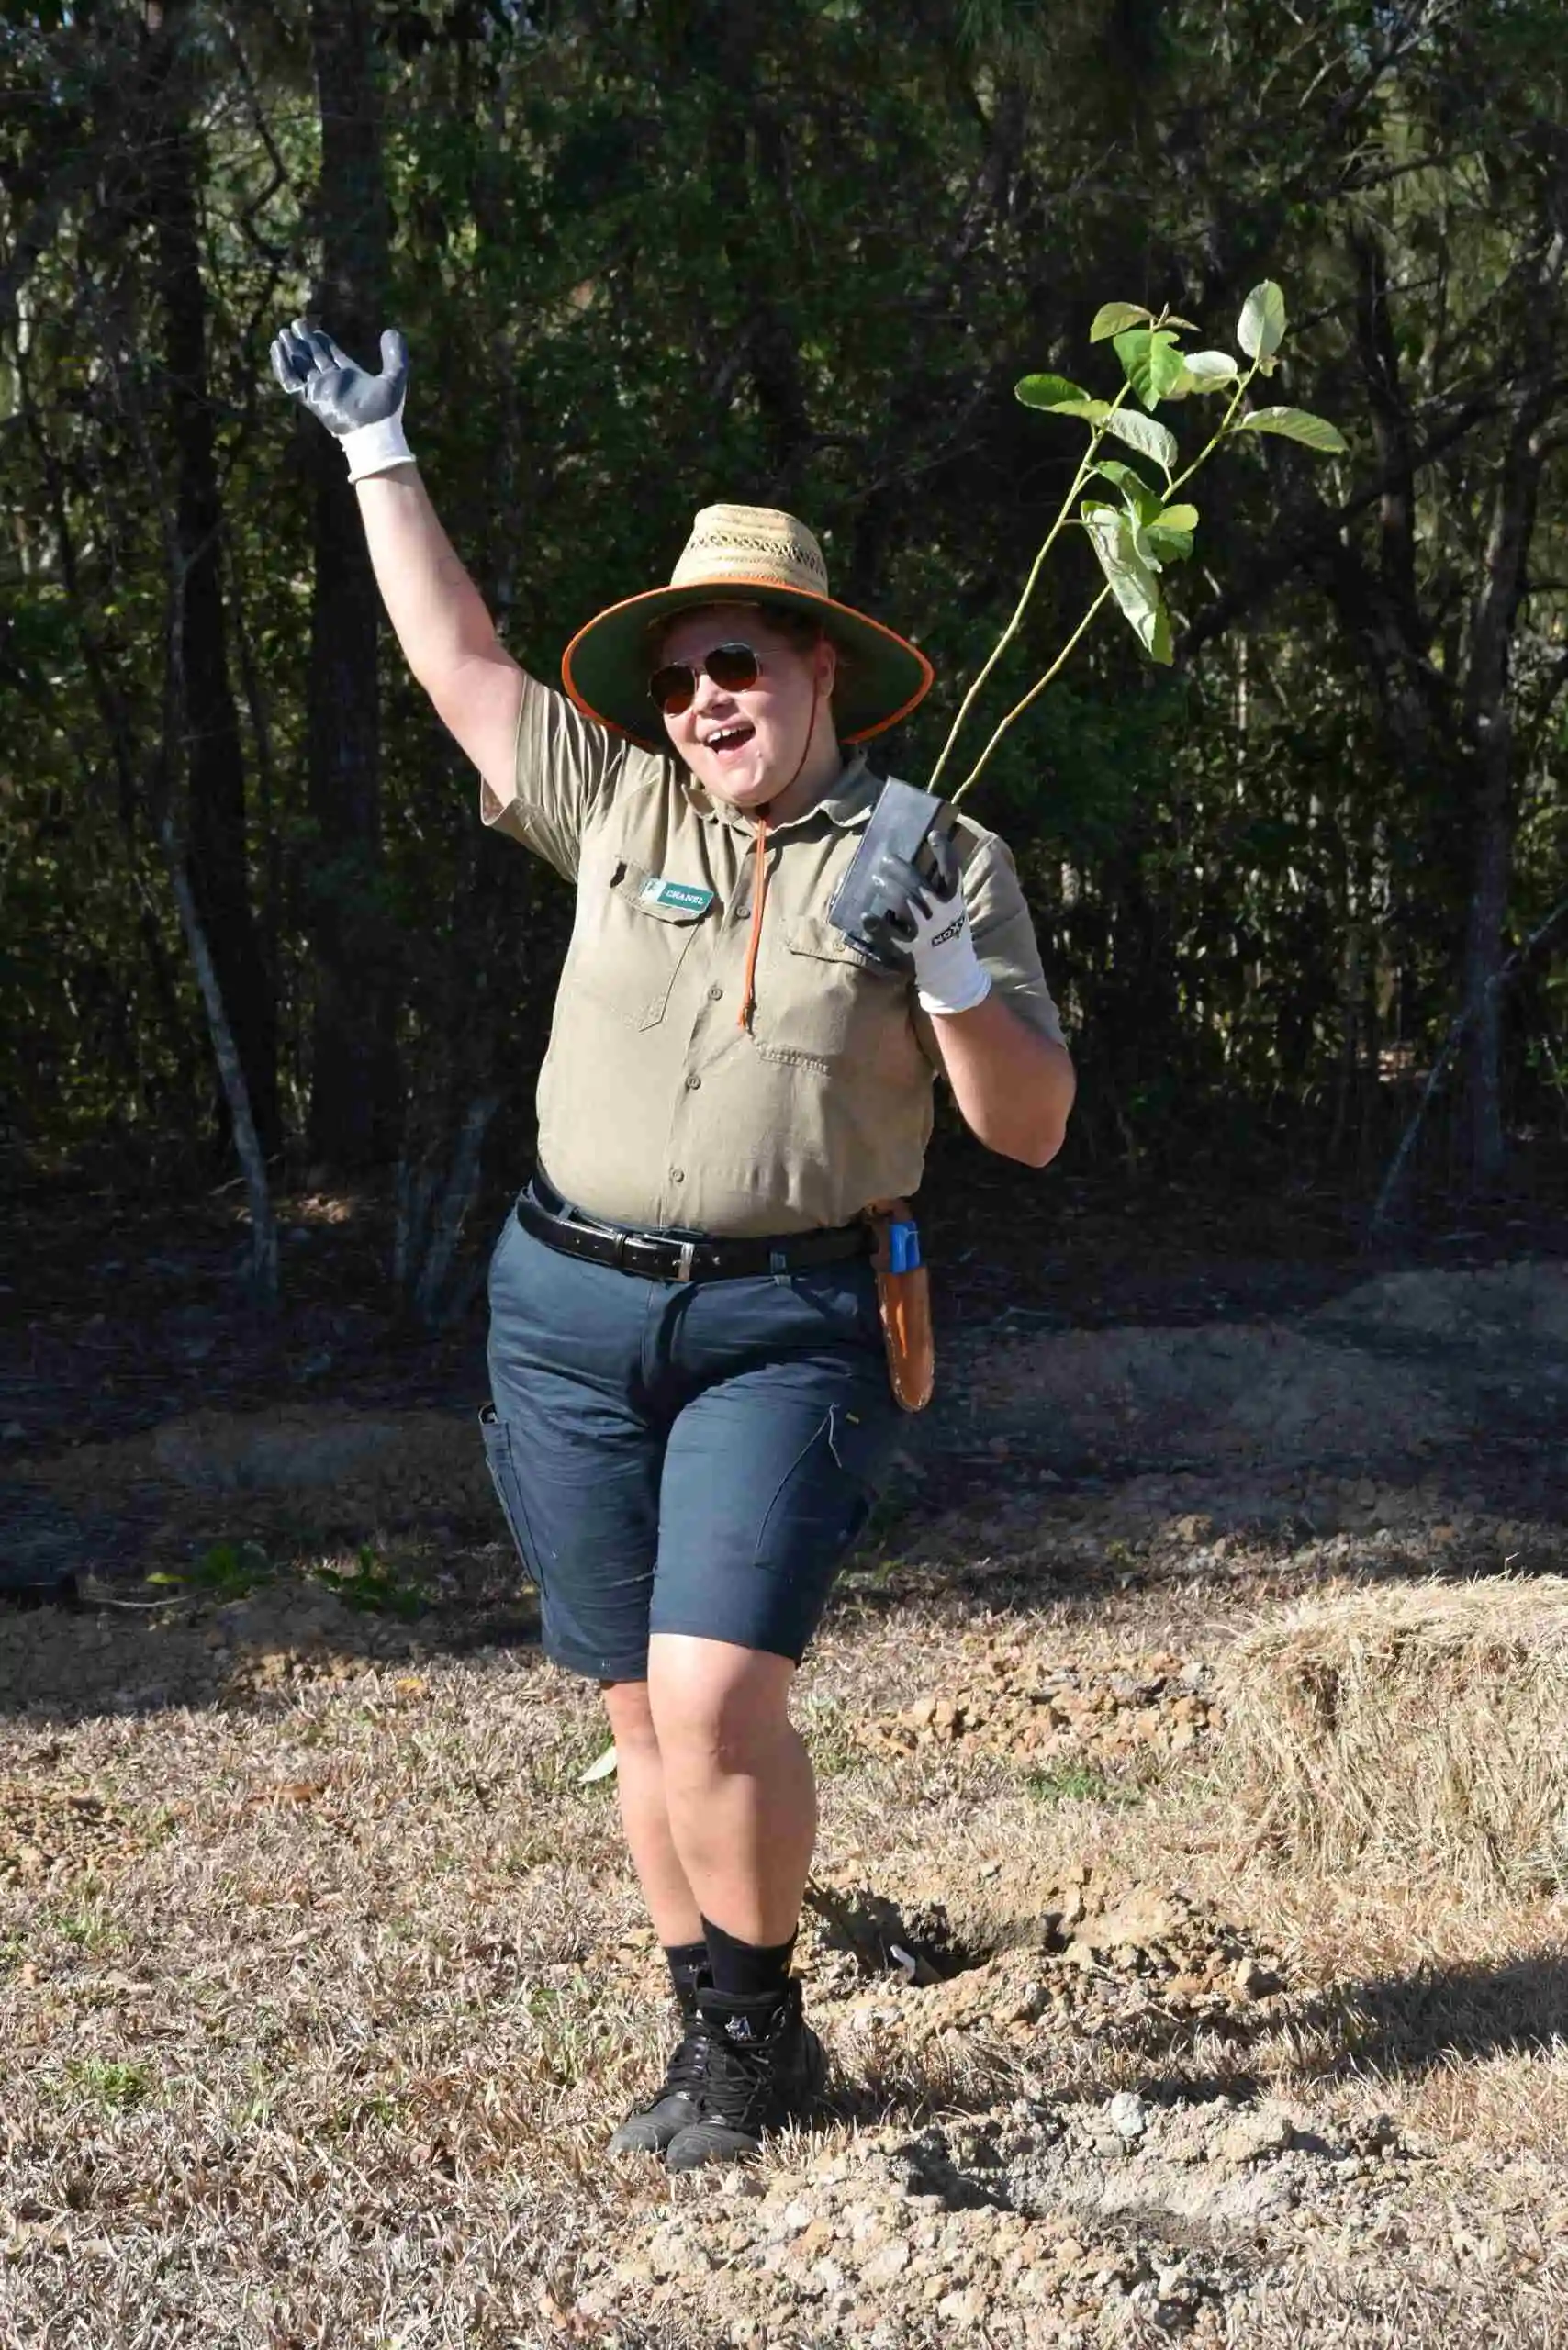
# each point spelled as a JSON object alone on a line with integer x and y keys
{"x": 1038, "y": 688}
{"x": 1018, "y": 709}
{"x": 1204, "y": 453}
{"x": 1096, "y": 435}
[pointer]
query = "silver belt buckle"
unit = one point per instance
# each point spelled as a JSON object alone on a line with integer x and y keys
{"x": 688, "y": 1256}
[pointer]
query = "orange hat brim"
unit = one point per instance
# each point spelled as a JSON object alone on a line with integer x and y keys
{"x": 605, "y": 667}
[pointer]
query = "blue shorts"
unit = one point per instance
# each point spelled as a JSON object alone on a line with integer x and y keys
{"x": 682, "y": 1456}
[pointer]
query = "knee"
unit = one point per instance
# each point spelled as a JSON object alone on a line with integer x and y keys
{"x": 716, "y": 1732}
{"x": 631, "y": 1717}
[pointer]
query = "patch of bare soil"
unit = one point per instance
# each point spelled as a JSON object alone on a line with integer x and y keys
{"x": 1400, "y": 1370}
{"x": 998, "y": 1696}
{"x": 1204, "y": 2209}
{"x": 50, "y": 1833}
{"x": 277, "y": 1636}
{"x": 1187, "y": 1936}
{"x": 320, "y": 1466}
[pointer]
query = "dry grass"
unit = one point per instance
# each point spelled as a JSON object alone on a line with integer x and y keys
{"x": 325, "y": 2049}
{"x": 1421, "y": 1730}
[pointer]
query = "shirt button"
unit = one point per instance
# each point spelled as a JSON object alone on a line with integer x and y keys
{"x": 692, "y": 1083}
{"x": 714, "y": 994}
{"x": 678, "y": 1174}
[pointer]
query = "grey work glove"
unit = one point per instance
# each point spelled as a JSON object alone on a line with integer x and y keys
{"x": 364, "y": 411}
{"x": 922, "y": 924}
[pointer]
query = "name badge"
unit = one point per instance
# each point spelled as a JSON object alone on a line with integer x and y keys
{"x": 686, "y": 896}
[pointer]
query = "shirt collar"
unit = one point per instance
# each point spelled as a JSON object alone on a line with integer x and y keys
{"x": 847, "y": 804}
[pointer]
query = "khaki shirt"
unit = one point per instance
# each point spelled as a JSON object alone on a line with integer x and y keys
{"x": 655, "y": 1107}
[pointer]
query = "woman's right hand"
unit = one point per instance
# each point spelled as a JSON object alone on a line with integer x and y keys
{"x": 362, "y": 410}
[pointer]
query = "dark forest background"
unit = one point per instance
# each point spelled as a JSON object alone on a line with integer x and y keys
{"x": 651, "y": 253}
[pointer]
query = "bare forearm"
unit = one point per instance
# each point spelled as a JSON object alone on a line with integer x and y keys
{"x": 1013, "y": 1087}
{"x": 448, "y": 638}
{"x": 436, "y": 612}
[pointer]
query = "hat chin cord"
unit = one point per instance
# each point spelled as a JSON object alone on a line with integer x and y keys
{"x": 759, "y": 868}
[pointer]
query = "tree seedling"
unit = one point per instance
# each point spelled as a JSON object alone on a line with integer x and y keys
{"x": 1138, "y": 525}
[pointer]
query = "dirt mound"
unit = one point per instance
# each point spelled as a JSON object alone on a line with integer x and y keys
{"x": 230, "y": 1452}
{"x": 1010, "y": 1703}
{"x": 1495, "y": 1305}
{"x": 344, "y": 1466}
{"x": 1167, "y": 2208}
{"x": 142, "y": 1658}
{"x": 1237, "y": 1395}
{"x": 1145, "y": 2214}
{"x": 1034, "y": 2222}
{"x": 1094, "y": 1951}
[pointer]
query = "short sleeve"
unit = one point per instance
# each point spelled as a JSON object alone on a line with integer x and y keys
{"x": 566, "y": 771}
{"x": 1004, "y": 940}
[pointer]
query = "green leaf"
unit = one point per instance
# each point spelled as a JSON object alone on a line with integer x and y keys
{"x": 1144, "y": 434}
{"x": 1048, "y": 391}
{"x": 1209, "y": 371}
{"x": 1143, "y": 500}
{"x": 1070, "y": 401}
{"x": 1113, "y": 316}
{"x": 1262, "y": 328}
{"x": 1294, "y": 424}
{"x": 1179, "y": 517}
{"x": 1164, "y": 546}
{"x": 1150, "y": 362}
{"x": 1135, "y": 586}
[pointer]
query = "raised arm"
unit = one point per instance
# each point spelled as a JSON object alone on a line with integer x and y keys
{"x": 437, "y": 614}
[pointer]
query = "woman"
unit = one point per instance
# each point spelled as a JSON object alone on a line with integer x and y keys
{"x": 691, "y": 1409}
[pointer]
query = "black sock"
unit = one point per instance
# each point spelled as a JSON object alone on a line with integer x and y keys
{"x": 688, "y": 1963}
{"x": 742, "y": 1970}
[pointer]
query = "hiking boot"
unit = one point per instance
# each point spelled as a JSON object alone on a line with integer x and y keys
{"x": 675, "y": 2106}
{"x": 765, "y": 2068}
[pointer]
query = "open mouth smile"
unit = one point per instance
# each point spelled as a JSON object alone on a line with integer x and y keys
{"x": 728, "y": 739}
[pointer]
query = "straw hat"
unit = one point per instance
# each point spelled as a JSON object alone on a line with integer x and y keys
{"x": 743, "y": 554}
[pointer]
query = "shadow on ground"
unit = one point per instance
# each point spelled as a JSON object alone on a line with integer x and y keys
{"x": 1392, "y": 2025}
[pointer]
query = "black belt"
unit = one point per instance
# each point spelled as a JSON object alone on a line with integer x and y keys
{"x": 660, "y": 1257}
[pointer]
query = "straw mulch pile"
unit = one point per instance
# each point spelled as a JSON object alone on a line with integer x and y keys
{"x": 1421, "y": 1731}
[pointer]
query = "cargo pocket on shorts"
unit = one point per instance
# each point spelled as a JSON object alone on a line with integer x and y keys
{"x": 825, "y": 1495}
{"x": 508, "y": 1491}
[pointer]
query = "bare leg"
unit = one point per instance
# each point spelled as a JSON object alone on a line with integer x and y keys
{"x": 639, "y": 1780}
{"x": 736, "y": 1783}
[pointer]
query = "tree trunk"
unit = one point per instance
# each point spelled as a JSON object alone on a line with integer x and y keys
{"x": 210, "y": 752}
{"x": 353, "y": 1074}
{"x": 1485, "y": 1145}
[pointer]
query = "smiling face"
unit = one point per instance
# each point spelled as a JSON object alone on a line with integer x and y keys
{"x": 746, "y": 746}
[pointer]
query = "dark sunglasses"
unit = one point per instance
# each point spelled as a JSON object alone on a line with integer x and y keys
{"x": 731, "y": 667}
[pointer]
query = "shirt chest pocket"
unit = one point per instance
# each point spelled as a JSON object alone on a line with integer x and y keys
{"x": 822, "y": 1005}
{"x": 633, "y": 931}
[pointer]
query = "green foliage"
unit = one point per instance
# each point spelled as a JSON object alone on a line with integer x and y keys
{"x": 224, "y": 1570}
{"x": 1131, "y": 578}
{"x": 638, "y": 271}
{"x": 1055, "y": 391}
{"x": 374, "y": 1587}
{"x": 1132, "y": 547}
{"x": 1294, "y": 424}
{"x": 1261, "y": 327}
{"x": 117, "y": 2084}
{"x": 1151, "y": 360}
{"x": 1055, "y": 1783}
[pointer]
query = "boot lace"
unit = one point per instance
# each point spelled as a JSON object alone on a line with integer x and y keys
{"x": 741, "y": 2086}
{"x": 686, "y": 2071}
